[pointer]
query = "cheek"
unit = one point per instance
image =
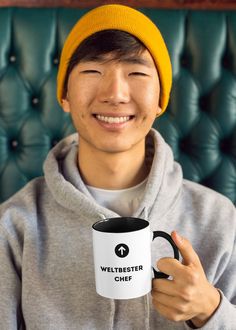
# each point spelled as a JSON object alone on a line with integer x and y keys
{"x": 148, "y": 93}
{"x": 149, "y": 105}
{"x": 150, "y": 101}
{"x": 81, "y": 91}
{"x": 80, "y": 100}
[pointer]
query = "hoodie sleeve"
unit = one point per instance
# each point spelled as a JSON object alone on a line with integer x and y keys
{"x": 10, "y": 282}
{"x": 224, "y": 317}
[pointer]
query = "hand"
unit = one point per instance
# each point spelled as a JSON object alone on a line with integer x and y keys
{"x": 189, "y": 296}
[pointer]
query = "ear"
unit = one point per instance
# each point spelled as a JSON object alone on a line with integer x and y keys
{"x": 66, "y": 105}
{"x": 159, "y": 111}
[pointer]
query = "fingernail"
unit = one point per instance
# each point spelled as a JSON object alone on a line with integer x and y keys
{"x": 179, "y": 238}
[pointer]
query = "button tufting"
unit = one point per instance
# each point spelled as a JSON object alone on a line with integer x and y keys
{"x": 12, "y": 58}
{"x": 185, "y": 61}
{"x": 54, "y": 142}
{"x": 204, "y": 103}
{"x": 184, "y": 145}
{"x": 55, "y": 60}
{"x": 227, "y": 62}
{"x": 14, "y": 144}
{"x": 35, "y": 100}
{"x": 225, "y": 145}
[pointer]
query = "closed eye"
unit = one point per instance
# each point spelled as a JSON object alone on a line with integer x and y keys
{"x": 137, "y": 73}
{"x": 90, "y": 71}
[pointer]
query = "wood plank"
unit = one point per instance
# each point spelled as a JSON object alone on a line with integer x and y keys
{"x": 165, "y": 4}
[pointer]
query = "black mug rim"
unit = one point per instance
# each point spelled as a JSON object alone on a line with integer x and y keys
{"x": 129, "y": 225}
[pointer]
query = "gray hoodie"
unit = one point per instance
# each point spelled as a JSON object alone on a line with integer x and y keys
{"x": 46, "y": 261}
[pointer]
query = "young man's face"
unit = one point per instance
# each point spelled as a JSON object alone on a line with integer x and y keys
{"x": 113, "y": 103}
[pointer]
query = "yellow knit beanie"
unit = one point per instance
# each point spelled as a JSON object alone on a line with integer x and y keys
{"x": 126, "y": 19}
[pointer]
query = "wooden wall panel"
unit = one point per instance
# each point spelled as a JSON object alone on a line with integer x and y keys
{"x": 172, "y": 4}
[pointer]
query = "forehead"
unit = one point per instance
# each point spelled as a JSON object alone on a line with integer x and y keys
{"x": 142, "y": 58}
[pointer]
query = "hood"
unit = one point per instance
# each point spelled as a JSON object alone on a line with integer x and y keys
{"x": 165, "y": 178}
{"x": 162, "y": 189}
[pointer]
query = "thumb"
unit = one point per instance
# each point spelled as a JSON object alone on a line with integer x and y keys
{"x": 186, "y": 250}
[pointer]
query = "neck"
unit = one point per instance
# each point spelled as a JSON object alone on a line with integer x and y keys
{"x": 112, "y": 170}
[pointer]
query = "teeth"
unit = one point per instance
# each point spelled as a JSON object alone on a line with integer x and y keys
{"x": 111, "y": 120}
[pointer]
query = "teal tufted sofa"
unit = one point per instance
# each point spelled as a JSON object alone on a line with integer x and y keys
{"x": 200, "y": 124}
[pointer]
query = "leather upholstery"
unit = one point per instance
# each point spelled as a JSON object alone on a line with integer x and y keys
{"x": 201, "y": 118}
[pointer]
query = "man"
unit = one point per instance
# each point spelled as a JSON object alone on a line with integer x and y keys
{"x": 114, "y": 79}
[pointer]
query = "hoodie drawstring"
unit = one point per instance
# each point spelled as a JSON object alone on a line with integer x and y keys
{"x": 112, "y": 314}
{"x": 147, "y": 312}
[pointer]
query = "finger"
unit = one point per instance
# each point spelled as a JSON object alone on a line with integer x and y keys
{"x": 165, "y": 299}
{"x": 185, "y": 249}
{"x": 172, "y": 308}
{"x": 169, "y": 312}
{"x": 164, "y": 286}
{"x": 170, "y": 266}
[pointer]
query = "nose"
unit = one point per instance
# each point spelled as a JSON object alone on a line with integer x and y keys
{"x": 114, "y": 89}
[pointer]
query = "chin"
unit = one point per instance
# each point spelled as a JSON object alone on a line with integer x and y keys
{"x": 115, "y": 148}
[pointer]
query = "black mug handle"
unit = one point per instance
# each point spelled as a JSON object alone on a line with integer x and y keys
{"x": 175, "y": 249}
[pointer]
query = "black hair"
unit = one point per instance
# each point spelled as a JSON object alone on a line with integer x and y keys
{"x": 120, "y": 43}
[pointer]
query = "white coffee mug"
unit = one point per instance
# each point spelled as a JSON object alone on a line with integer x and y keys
{"x": 122, "y": 257}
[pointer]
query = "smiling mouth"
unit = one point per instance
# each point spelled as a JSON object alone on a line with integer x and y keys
{"x": 113, "y": 120}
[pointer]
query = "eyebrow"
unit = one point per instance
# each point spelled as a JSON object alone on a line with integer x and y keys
{"x": 128, "y": 60}
{"x": 137, "y": 60}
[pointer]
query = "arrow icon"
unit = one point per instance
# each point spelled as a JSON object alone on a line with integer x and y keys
{"x": 121, "y": 250}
